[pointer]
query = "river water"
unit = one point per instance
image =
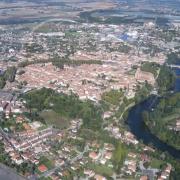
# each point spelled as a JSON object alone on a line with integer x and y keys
{"x": 139, "y": 129}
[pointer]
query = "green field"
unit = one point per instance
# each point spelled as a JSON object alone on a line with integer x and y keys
{"x": 101, "y": 169}
{"x": 53, "y": 118}
{"x": 171, "y": 118}
{"x": 155, "y": 163}
{"x": 113, "y": 97}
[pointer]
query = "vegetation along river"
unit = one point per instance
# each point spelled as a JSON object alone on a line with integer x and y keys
{"x": 141, "y": 131}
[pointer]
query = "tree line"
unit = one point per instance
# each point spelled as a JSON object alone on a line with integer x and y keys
{"x": 60, "y": 62}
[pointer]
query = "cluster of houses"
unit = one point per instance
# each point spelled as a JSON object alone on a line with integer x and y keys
{"x": 176, "y": 127}
{"x": 74, "y": 127}
{"x": 125, "y": 136}
{"x": 130, "y": 164}
{"x": 165, "y": 174}
{"x": 9, "y": 104}
{"x": 99, "y": 155}
{"x": 27, "y": 145}
{"x": 31, "y": 143}
{"x": 69, "y": 158}
{"x": 91, "y": 174}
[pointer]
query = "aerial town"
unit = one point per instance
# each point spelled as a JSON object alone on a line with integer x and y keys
{"x": 73, "y": 87}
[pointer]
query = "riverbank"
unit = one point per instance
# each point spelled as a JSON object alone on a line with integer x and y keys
{"x": 142, "y": 132}
{"x": 164, "y": 119}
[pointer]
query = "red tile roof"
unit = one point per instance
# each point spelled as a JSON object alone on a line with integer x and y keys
{"x": 42, "y": 168}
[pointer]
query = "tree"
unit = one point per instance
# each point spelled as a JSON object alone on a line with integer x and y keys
{"x": 119, "y": 155}
{"x": 10, "y": 74}
{"x": 165, "y": 79}
{"x": 2, "y": 82}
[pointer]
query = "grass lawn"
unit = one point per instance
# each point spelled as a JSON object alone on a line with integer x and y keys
{"x": 155, "y": 163}
{"x": 101, "y": 169}
{"x": 172, "y": 117}
{"x": 45, "y": 161}
{"x": 113, "y": 97}
{"x": 132, "y": 72}
{"x": 53, "y": 118}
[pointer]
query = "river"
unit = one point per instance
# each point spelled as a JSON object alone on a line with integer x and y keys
{"x": 140, "y": 130}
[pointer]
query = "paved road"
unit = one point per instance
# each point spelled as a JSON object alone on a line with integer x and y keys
{"x": 150, "y": 171}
